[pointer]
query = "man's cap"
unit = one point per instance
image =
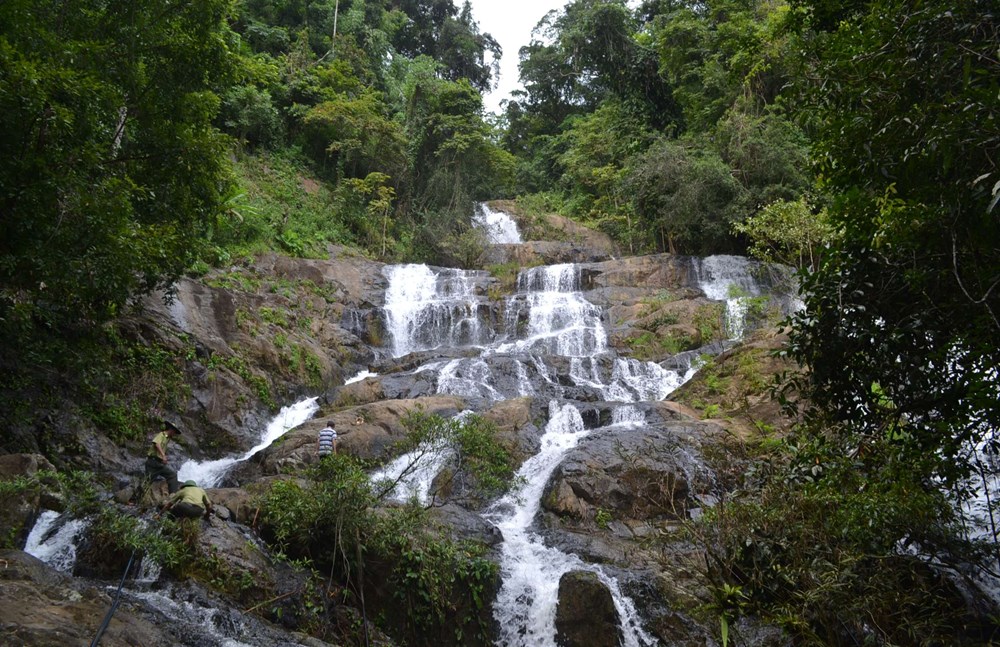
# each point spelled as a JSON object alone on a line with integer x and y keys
{"x": 190, "y": 484}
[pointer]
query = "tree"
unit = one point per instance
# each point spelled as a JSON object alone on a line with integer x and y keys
{"x": 687, "y": 197}
{"x": 110, "y": 167}
{"x": 598, "y": 149}
{"x": 355, "y": 137}
{"x": 714, "y": 53}
{"x": 453, "y": 159}
{"x": 910, "y": 299}
{"x": 437, "y": 29}
{"x": 791, "y": 233}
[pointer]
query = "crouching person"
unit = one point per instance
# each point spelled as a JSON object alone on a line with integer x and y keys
{"x": 189, "y": 502}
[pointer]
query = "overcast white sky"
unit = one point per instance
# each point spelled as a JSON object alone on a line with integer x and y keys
{"x": 510, "y": 22}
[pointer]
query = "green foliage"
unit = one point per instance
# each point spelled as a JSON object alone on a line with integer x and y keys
{"x": 286, "y": 207}
{"x": 610, "y": 92}
{"x": 118, "y": 384}
{"x": 910, "y": 288}
{"x": 352, "y": 137}
{"x": 453, "y": 160}
{"x": 427, "y": 576}
{"x": 721, "y": 52}
{"x": 790, "y": 233}
{"x": 650, "y": 346}
{"x": 437, "y": 587}
{"x": 118, "y": 531}
{"x": 110, "y": 167}
{"x": 766, "y": 152}
{"x": 833, "y": 555}
{"x": 686, "y": 196}
{"x": 597, "y": 148}
{"x": 250, "y": 115}
{"x": 482, "y": 463}
{"x": 239, "y": 365}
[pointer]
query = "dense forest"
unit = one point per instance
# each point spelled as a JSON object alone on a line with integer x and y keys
{"x": 856, "y": 141}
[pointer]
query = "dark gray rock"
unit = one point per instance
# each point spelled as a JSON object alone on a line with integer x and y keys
{"x": 586, "y": 615}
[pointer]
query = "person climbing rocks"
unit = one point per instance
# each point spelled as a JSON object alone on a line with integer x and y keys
{"x": 156, "y": 460}
{"x": 189, "y": 502}
{"x": 327, "y": 440}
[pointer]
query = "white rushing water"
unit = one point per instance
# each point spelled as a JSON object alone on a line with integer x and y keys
{"x": 212, "y": 626}
{"x": 209, "y": 473}
{"x": 560, "y": 321}
{"x": 362, "y": 375}
{"x": 739, "y": 282}
{"x": 526, "y": 604}
{"x": 499, "y": 227}
{"x": 53, "y": 540}
{"x": 429, "y": 308}
{"x": 553, "y": 344}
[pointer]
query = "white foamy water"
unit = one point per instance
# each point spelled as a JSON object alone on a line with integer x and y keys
{"x": 467, "y": 378}
{"x": 559, "y": 320}
{"x": 362, "y": 375}
{"x": 209, "y": 473}
{"x": 548, "y": 318}
{"x": 412, "y": 474}
{"x": 736, "y": 280}
{"x": 427, "y": 309}
{"x": 499, "y": 227}
{"x": 53, "y": 543}
{"x": 211, "y": 625}
{"x": 525, "y": 609}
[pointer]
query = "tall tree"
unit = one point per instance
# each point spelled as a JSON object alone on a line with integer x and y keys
{"x": 437, "y": 28}
{"x": 110, "y": 167}
{"x": 910, "y": 301}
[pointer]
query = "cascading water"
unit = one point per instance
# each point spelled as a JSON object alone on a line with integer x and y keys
{"x": 53, "y": 540}
{"x": 426, "y": 309}
{"x": 410, "y": 476}
{"x": 738, "y": 281}
{"x": 525, "y": 609}
{"x": 210, "y": 473}
{"x": 499, "y": 227}
{"x": 552, "y": 343}
{"x": 559, "y": 320}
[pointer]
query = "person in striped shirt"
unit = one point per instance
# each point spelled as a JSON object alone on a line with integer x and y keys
{"x": 327, "y": 440}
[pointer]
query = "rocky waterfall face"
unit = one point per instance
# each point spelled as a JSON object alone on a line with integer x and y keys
{"x": 546, "y": 341}
{"x": 574, "y": 359}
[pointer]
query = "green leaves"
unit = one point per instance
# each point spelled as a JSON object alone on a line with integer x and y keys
{"x": 906, "y": 300}
{"x": 110, "y": 145}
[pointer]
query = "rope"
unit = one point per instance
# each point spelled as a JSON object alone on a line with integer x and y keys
{"x": 114, "y": 605}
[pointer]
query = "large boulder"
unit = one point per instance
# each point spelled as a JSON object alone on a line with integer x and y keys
{"x": 632, "y": 476}
{"x": 586, "y": 615}
{"x": 40, "y": 607}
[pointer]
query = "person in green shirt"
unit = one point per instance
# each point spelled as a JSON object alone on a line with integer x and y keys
{"x": 156, "y": 459}
{"x": 189, "y": 502}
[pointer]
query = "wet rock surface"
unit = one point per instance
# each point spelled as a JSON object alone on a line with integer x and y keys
{"x": 276, "y": 330}
{"x": 585, "y": 616}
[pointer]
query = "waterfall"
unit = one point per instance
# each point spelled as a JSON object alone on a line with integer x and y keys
{"x": 499, "y": 227}
{"x": 526, "y": 604}
{"x": 552, "y": 344}
{"x": 209, "y": 473}
{"x": 53, "y": 542}
{"x": 739, "y": 281}
{"x": 426, "y": 309}
{"x": 361, "y": 375}
{"x": 559, "y": 320}
{"x": 196, "y": 620}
